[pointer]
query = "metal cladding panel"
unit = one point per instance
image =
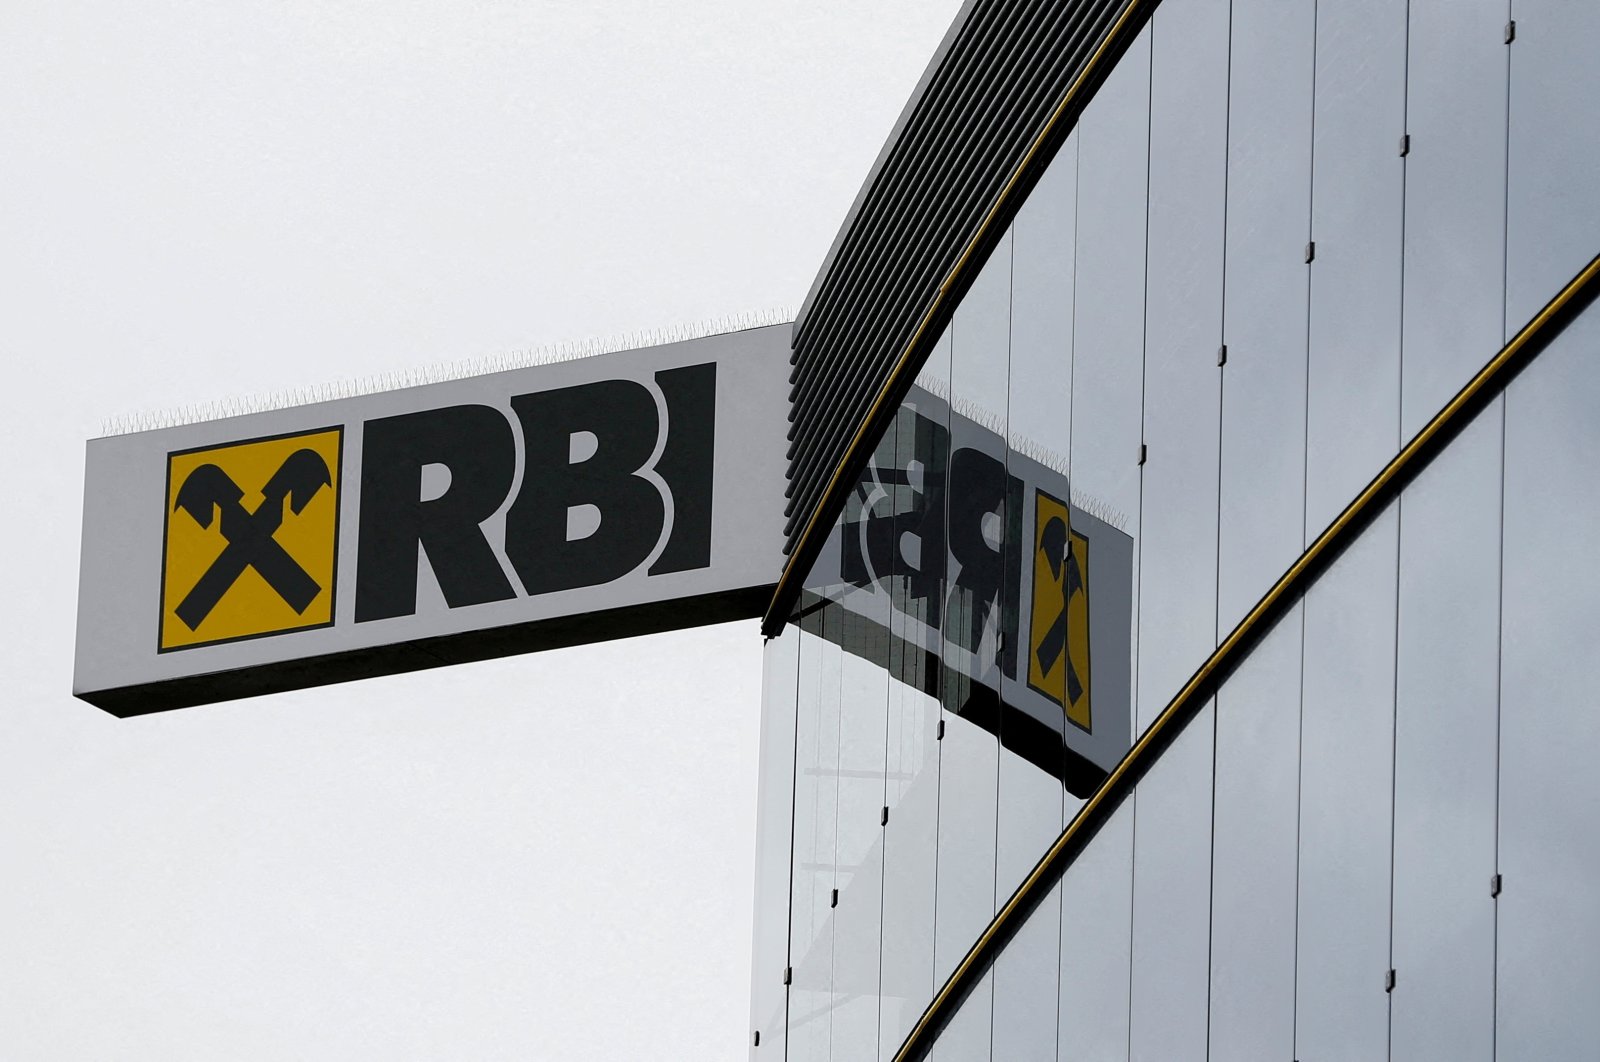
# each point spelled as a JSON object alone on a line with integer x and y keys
{"x": 572, "y": 502}
{"x": 1003, "y": 71}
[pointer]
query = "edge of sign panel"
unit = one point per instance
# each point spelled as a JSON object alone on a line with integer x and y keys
{"x": 401, "y": 657}
{"x": 1484, "y": 386}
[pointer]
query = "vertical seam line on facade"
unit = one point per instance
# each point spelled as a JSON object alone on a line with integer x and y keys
{"x": 1399, "y": 532}
{"x": 1500, "y": 574}
{"x": 1072, "y": 400}
{"x": 794, "y": 777}
{"x": 1216, "y": 574}
{"x": 999, "y": 597}
{"x": 1144, "y": 360}
{"x": 889, "y": 662}
{"x": 1487, "y": 382}
{"x": 942, "y": 686}
{"x": 1305, "y": 518}
{"x": 1216, "y": 555}
{"x": 830, "y": 616}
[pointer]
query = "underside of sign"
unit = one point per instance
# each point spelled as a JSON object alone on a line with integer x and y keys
{"x": 598, "y": 498}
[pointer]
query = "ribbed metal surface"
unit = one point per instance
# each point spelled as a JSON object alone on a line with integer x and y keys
{"x": 1002, "y": 71}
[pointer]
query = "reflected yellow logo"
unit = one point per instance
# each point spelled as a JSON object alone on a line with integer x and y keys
{"x": 1058, "y": 642}
{"x": 252, "y": 538}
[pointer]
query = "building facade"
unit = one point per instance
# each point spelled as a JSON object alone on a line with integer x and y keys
{"x": 1192, "y": 549}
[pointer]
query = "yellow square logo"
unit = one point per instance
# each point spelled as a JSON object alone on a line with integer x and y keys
{"x": 1058, "y": 642}
{"x": 252, "y": 539}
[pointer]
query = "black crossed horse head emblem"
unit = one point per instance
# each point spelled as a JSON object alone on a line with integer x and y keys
{"x": 209, "y": 492}
{"x": 1055, "y": 542}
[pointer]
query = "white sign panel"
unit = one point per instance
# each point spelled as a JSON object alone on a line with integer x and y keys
{"x": 597, "y": 498}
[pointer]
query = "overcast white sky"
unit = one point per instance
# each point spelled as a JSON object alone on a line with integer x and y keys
{"x": 546, "y": 857}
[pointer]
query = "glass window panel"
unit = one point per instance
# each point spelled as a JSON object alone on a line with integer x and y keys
{"x": 774, "y": 823}
{"x": 909, "y": 869}
{"x": 1553, "y": 222}
{"x": 1039, "y": 419}
{"x": 1026, "y": 986}
{"x": 912, "y": 779}
{"x": 1172, "y": 899}
{"x": 858, "y": 916}
{"x": 1031, "y": 791}
{"x": 863, "y": 632}
{"x": 1346, "y": 778}
{"x": 1183, "y": 328}
{"x": 1455, "y": 200}
{"x": 975, "y": 521}
{"x": 1108, "y": 321}
{"x": 1096, "y": 923}
{"x": 1549, "y": 924}
{"x": 1353, "y": 413}
{"x": 1261, "y": 524}
{"x": 815, "y": 821}
{"x": 1042, "y": 260}
{"x": 1445, "y": 719}
{"x": 1253, "y": 859}
{"x": 1107, "y": 374}
{"x": 1106, "y": 429}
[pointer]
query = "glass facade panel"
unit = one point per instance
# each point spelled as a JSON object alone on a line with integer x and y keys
{"x": 1346, "y": 778}
{"x": 1032, "y": 798}
{"x": 1031, "y": 795}
{"x": 1256, "y": 827}
{"x": 1262, "y": 516}
{"x": 975, "y": 522}
{"x": 908, "y": 861}
{"x": 859, "y": 900}
{"x": 912, "y": 779}
{"x": 780, "y": 673}
{"x": 1444, "y": 759}
{"x": 1183, "y": 329}
{"x": 1455, "y": 200}
{"x": 1042, "y": 277}
{"x": 1353, "y": 404}
{"x": 816, "y": 805}
{"x": 1108, "y": 321}
{"x": 1096, "y": 927}
{"x": 1549, "y": 924}
{"x": 1172, "y": 900}
{"x": 1107, "y": 398}
{"x": 1553, "y": 214}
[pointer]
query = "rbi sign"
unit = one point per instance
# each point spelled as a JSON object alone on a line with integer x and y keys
{"x": 608, "y": 496}
{"x": 251, "y": 539}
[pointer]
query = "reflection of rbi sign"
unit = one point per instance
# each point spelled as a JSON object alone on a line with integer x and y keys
{"x": 251, "y": 539}
{"x": 978, "y": 569}
{"x": 1058, "y": 657}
